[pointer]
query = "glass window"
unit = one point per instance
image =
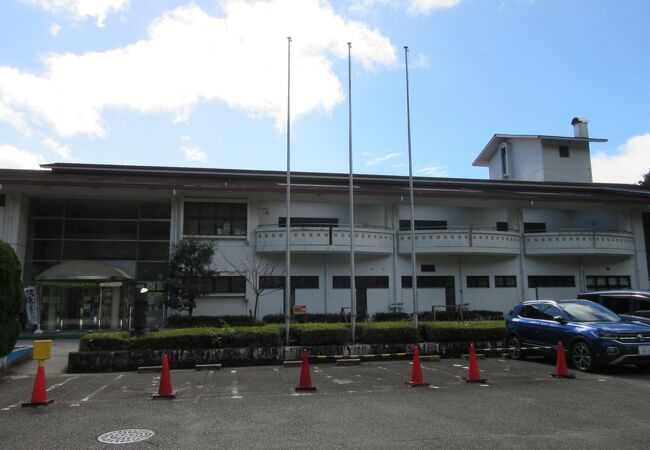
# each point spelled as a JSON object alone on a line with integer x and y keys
{"x": 297, "y": 282}
{"x": 360, "y": 282}
{"x": 551, "y": 281}
{"x": 503, "y": 281}
{"x": 607, "y": 283}
{"x": 405, "y": 225}
{"x": 534, "y": 227}
{"x": 214, "y": 219}
{"x": 229, "y": 285}
{"x": 564, "y": 151}
{"x": 588, "y": 312}
{"x": 482, "y": 281}
{"x": 153, "y": 251}
{"x": 427, "y": 268}
{"x": 427, "y": 281}
{"x": 154, "y": 231}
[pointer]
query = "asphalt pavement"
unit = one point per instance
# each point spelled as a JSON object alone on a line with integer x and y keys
{"x": 365, "y": 406}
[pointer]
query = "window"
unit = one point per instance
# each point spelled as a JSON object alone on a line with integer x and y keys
{"x": 503, "y": 154}
{"x": 360, "y": 282}
{"x": 405, "y": 225}
{"x": 478, "y": 281}
{"x": 564, "y": 151}
{"x": 427, "y": 268}
{"x": 214, "y": 219}
{"x": 534, "y": 227}
{"x": 502, "y": 226}
{"x": 501, "y": 281}
{"x": 427, "y": 281}
{"x": 297, "y": 282}
{"x": 2, "y": 200}
{"x": 551, "y": 281}
{"x": 309, "y": 222}
{"x": 607, "y": 283}
{"x": 229, "y": 285}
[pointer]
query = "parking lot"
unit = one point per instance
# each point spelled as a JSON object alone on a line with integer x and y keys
{"x": 365, "y": 406}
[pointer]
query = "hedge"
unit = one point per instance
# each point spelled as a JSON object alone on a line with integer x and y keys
{"x": 387, "y": 333}
{"x": 209, "y": 321}
{"x": 11, "y": 298}
{"x": 261, "y": 336}
{"x": 444, "y": 316}
{"x": 462, "y": 332}
{"x": 319, "y": 334}
{"x": 310, "y": 334}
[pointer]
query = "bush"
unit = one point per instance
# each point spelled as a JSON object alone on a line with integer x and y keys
{"x": 463, "y": 332}
{"x": 319, "y": 334}
{"x": 12, "y": 298}
{"x": 309, "y": 318}
{"x": 390, "y": 316}
{"x": 444, "y": 316}
{"x": 387, "y": 333}
{"x": 182, "y": 338}
{"x": 209, "y": 321}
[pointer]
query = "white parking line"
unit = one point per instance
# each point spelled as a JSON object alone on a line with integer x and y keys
{"x": 54, "y": 386}
{"x": 85, "y": 399}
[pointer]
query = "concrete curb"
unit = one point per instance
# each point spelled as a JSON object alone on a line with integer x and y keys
{"x": 17, "y": 356}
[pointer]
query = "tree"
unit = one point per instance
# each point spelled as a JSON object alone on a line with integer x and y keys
{"x": 190, "y": 275}
{"x": 645, "y": 182}
{"x": 257, "y": 272}
{"x": 12, "y": 298}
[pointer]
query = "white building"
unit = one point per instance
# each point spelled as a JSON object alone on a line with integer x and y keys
{"x": 539, "y": 227}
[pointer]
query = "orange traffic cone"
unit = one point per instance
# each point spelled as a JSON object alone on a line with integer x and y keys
{"x": 473, "y": 373}
{"x": 416, "y": 373}
{"x": 165, "y": 387}
{"x": 305, "y": 375}
{"x": 39, "y": 393}
{"x": 561, "y": 370}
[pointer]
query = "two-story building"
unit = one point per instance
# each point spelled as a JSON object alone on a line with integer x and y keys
{"x": 89, "y": 234}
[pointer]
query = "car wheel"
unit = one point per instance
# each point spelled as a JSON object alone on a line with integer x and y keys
{"x": 514, "y": 347}
{"x": 582, "y": 356}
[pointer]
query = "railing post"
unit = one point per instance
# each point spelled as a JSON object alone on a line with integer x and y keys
{"x": 470, "y": 235}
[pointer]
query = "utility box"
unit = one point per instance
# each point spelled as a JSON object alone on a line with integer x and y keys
{"x": 42, "y": 350}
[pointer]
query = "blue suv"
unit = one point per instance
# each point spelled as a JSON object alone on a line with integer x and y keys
{"x": 592, "y": 334}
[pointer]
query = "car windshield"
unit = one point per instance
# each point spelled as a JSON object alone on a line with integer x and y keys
{"x": 588, "y": 312}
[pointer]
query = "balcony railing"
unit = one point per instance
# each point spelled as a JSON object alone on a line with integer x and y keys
{"x": 324, "y": 239}
{"x": 579, "y": 242}
{"x": 461, "y": 240}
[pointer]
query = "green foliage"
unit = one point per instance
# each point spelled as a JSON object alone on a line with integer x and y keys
{"x": 190, "y": 274}
{"x": 319, "y": 334}
{"x": 477, "y": 314}
{"x": 11, "y": 298}
{"x": 387, "y": 333}
{"x": 462, "y": 332}
{"x": 645, "y": 182}
{"x": 185, "y": 338}
{"x": 310, "y": 334}
{"x": 209, "y": 321}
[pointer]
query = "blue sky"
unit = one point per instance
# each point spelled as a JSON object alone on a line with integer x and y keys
{"x": 202, "y": 83}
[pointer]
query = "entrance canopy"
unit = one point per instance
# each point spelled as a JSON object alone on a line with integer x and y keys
{"x": 83, "y": 271}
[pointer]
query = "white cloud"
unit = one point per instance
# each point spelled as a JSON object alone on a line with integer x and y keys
{"x": 417, "y": 7}
{"x": 83, "y": 9}
{"x": 372, "y": 161}
{"x": 433, "y": 171}
{"x": 14, "y": 158}
{"x": 186, "y": 139}
{"x": 55, "y": 28}
{"x": 414, "y": 7}
{"x": 191, "y": 57}
{"x": 627, "y": 165}
{"x": 194, "y": 153}
{"x": 62, "y": 150}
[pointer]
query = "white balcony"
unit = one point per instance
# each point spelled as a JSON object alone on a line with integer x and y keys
{"x": 461, "y": 240}
{"x": 579, "y": 242}
{"x": 324, "y": 239}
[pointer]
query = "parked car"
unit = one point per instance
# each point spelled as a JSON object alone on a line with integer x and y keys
{"x": 623, "y": 302}
{"x": 592, "y": 334}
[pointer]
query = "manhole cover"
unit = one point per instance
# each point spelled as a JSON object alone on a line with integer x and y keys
{"x": 125, "y": 436}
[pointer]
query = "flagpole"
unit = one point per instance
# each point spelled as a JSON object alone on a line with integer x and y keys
{"x": 413, "y": 263}
{"x": 287, "y": 278}
{"x": 353, "y": 291}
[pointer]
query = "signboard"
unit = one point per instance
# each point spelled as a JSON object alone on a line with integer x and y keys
{"x": 299, "y": 309}
{"x": 31, "y": 305}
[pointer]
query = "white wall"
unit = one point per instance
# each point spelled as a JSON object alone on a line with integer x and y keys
{"x": 576, "y": 168}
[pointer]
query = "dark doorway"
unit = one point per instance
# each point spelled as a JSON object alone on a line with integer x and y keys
{"x": 362, "y": 302}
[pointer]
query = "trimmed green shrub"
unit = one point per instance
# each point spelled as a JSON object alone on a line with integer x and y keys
{"x": 387, "y": 333}
{"x": 390, "y": 316}
{"x": 462, "y": 332}
{"x": 309, "y": 318}
{"x": 319, "y": 334}
{"x": 209, "y": 321}
{"x": 444, "y": 316}
{"x": 12, "y": 298}
{"x": 182, "y": 338}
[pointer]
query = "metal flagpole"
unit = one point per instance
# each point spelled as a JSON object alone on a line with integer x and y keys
{"x": 353, "y": 291}
{"x": 287, "y": 278}
{"x": 408, "y": 121}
